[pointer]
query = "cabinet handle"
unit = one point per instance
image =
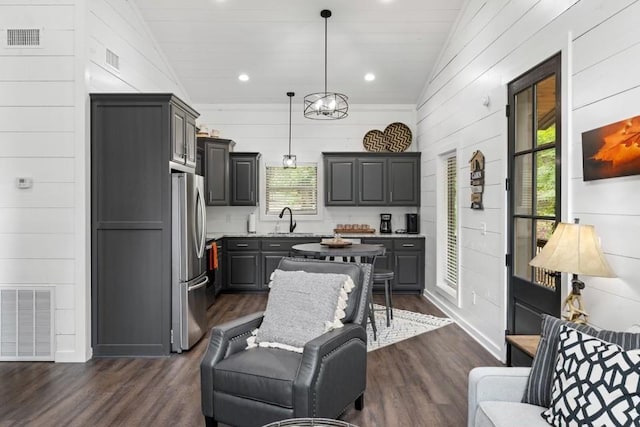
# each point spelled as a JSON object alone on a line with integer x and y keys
{"x": 391, "y": 196}
{"x": 408, "y": 245}
{"x": 274, "y": 245}
{"x": 211, "y": 196}
{"x": 242, "y": 245}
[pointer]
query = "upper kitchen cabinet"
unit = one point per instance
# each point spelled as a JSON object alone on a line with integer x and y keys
{"x": 214, "y": 166}
{"x": 183, "y": 136}
{"x": 404, "y": 181}
{"x": 244, "y": 179}
{"x": 372, "y": 179}
{"x": 340, "y": 181}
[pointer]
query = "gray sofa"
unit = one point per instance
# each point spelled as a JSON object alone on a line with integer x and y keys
{"x": 494, "y": 398}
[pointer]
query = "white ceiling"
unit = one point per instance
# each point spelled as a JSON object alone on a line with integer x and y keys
{"x": 280, "y": 45}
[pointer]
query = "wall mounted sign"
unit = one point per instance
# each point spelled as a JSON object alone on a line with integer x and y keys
{"x": 612, "y": 150}
{"x": 476, "y": 164}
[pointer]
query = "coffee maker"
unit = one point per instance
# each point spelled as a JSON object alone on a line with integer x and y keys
{"x": 385, "y": 223}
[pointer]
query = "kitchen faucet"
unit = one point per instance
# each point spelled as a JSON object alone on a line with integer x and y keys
{"x": 292, "y": 223}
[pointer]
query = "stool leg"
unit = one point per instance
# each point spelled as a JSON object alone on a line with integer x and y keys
{"x": 391, "y": 298}
{"x": 387, "y": 301}
{"x": 372, "y": 316}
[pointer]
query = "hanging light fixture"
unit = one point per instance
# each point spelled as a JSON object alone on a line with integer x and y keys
{"x": 289, "y": 160}
{"x": 325, "y": 105}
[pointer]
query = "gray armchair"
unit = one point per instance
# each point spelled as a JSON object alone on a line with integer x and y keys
{"x": 261, "y": 385}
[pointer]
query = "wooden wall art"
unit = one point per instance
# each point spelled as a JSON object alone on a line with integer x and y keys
{"x": 612, "y": 150}
{"x": 476, "y": 164}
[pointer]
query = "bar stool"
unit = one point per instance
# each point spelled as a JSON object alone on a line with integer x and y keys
{"x": 386, "y": 276}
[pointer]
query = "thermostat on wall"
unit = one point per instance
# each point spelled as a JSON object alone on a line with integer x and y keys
{"x": 24, "y": 182}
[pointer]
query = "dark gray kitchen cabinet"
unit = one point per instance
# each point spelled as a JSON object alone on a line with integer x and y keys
{"x": 404, "y": 181}
{"x": 134, "y": 138}
{"x": 244, "y": 179}
{"x": 270, "y": 261}
{"x": 183, "y": 139}
{"x": 341, "y": 181}
{"x": 243, "y": 271}
{"x": 372, "y": 179}
{"x": 215, "y": 169}
{"x": 409, "y": 263}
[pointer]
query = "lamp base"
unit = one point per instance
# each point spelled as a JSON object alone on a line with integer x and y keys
{"x": 573, "y": 303}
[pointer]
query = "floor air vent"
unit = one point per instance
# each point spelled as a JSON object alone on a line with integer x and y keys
{"x": 26, "y": 324}
{"x": 23, "y": 37}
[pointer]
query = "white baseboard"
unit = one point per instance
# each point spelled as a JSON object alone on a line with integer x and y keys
{"x": 496, "y": 351}
{"x": 70, "y": 357}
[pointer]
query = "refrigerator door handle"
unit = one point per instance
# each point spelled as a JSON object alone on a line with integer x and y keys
{"x": 198, "y": 285}
{"x": 200, "y": 240}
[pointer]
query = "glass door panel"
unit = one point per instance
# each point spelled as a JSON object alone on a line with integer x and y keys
{"x": 546, "y": 182}
{"x": 522, "y": 249}
{"x": 524, "y": 120}
{"x": 546, "y": 111}
{"x": 544, "y": 230}
{"x": 523, "y": 199}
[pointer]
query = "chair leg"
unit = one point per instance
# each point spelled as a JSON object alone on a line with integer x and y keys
{"x": 359, "y": 403}
{"x": 372, "y": 316}
{"x": 387, "y": 301}
{"x": 210, "y": 422}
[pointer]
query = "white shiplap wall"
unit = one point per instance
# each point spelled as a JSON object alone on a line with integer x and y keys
{"x": 265, "y": 129}
{"x": 37, "y": 140}
{"x": 44, "y": 122}
{"x": 494, "y": 42}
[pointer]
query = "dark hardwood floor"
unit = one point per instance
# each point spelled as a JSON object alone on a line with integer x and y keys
{"x": 418, "y": 382}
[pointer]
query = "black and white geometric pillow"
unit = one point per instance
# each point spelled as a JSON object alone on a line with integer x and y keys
{"x": 595, "y": 383}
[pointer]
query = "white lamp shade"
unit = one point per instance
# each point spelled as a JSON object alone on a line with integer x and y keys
{"x": 574, "y": 248}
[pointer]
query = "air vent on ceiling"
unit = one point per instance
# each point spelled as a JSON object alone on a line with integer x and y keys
{"x": 113, "y": 60}
{"x": 23, "y": 37}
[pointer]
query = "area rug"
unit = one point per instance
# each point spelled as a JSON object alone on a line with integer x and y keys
{"x": 405, "y": 324}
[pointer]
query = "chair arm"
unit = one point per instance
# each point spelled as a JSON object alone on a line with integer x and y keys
{"x": 226, "y": 339}
{"x": 347, "y": 347}
{"x": 495, "y": 383}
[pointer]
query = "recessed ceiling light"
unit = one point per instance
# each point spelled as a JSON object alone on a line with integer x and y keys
{"x": 243, "y": 77}
{"x": 369, "y": 77}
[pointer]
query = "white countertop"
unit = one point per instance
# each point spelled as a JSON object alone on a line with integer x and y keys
{"x": 216, "y": 236}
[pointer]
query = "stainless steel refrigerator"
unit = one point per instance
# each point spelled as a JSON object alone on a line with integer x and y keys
{"x": 189, "y": 263}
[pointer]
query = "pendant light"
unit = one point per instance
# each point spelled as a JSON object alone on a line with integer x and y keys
{"x": 325, "y": 105}
{"x": 289, "y": 160}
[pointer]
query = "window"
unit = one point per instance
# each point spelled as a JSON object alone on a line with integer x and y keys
{"x": 293, "y": 187}
{"x": 451, "y": 259}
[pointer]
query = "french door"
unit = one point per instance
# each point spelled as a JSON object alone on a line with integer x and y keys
{"x": 534, "y": 196}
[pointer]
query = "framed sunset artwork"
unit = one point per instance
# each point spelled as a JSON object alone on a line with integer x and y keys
{"x": 612, "y": 150}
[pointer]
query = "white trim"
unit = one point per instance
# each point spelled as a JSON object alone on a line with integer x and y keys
{"x": 479, "y": 337}
{"x": 444, "y": 290}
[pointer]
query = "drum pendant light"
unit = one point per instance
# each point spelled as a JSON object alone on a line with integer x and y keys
{"x": 325, "y": 105}
{"x": 289, "y": 160}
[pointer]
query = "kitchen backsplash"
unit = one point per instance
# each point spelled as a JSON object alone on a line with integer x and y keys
{"x": 233, "y": 219}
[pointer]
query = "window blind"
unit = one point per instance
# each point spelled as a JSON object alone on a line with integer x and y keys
{"x": 293, "y": 187}
{"x": 451, "y": 262}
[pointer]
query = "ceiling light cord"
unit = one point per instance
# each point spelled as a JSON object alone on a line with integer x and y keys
{"x": 325, "y": 54}
{"x": 290, "y": 98}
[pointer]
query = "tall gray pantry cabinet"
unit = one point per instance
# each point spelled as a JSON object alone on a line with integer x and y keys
{"x": 136, "y": 139}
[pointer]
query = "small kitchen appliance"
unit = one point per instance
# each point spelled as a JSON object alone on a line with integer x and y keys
{"x": 385, "y": 223}
{"x": 412, "y": 223}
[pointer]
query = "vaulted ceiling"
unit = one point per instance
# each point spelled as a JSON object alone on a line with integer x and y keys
{"x": 280, "y": 45}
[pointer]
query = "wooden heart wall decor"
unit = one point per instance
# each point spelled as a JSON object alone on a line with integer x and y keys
{"x": 396, "y": 138}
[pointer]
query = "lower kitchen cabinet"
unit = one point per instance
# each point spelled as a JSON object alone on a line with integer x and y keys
{"x": 405, "y": 256}
{"x": 250, "y": 262}
{"x": 243, "y": 271}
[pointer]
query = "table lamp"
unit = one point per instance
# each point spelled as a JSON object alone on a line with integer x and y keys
{"x": 574, "y": 248}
